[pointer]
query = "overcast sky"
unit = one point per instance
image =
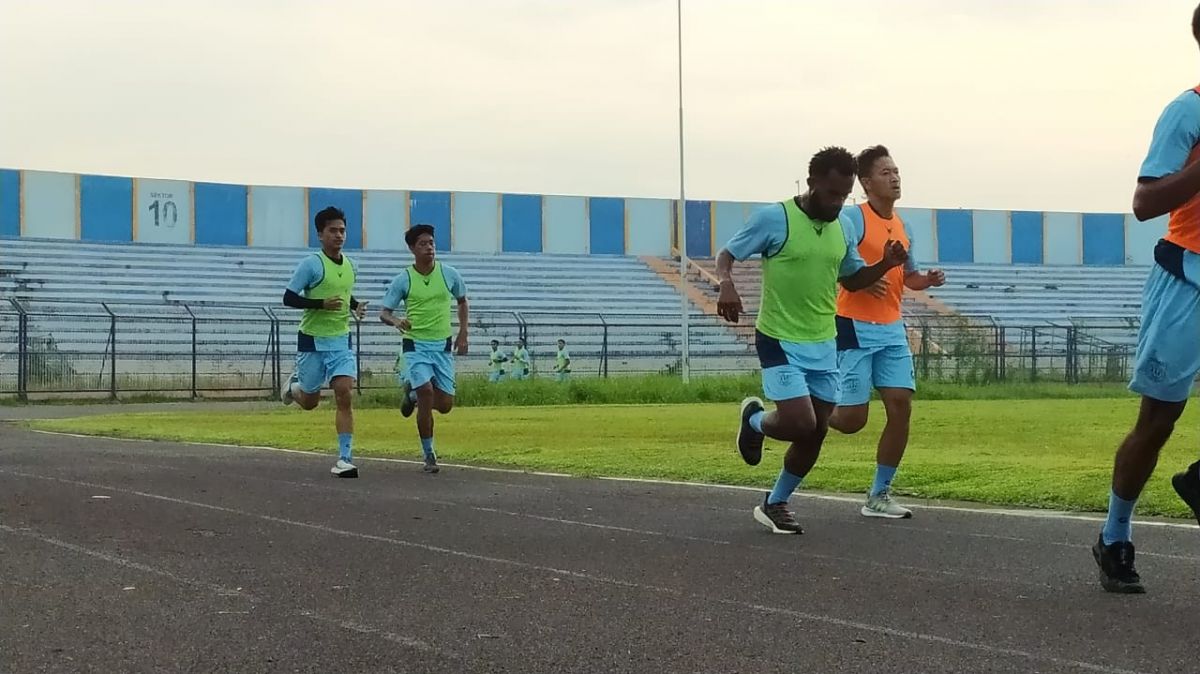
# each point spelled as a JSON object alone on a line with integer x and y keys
{"x": 1012, "y": 104}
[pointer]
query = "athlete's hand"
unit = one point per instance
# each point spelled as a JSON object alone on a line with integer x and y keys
{"x": 894, "y": 253}
{"x": 937, "y": 278}
{"x": 403, "y": 324}
{"x": 729, "y": 303}
{"x": 879, "y": 288}
{"x": 460, "y": 344}
{"x": 361, "y": 311}
{"x": 332, "y": 303}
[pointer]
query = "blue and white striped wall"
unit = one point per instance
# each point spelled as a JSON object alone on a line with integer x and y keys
{"x": 106, "y": 208}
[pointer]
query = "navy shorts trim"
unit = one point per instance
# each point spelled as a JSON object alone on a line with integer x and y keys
{"x": 770, "y": 351}
{"x": 847, "y": 334}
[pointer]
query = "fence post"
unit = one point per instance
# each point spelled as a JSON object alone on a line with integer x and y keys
{"x": 1072, "y": 356}
{"x": 1002, "y": 348}
{"x": 273, "y": 349}
{"x": 195, "y": 355}
{"x": 1033, "y": 354}
{"x": 22, "y": 351}
{"x": 925, "y": 350}
{"x": 112, "y": 351}
{"x": 604, "y": 348}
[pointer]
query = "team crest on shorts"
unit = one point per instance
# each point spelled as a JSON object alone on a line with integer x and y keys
{"x": 1154, "y": 369}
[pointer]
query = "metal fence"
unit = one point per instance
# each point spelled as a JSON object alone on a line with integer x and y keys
{"x": 55, "y": 350}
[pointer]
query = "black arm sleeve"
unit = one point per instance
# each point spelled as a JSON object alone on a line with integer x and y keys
{"x": 295, "y": 301}
{"x": 353, "y": 303}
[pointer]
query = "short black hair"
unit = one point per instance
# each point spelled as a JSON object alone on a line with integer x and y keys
{"x": 411, "y": 236}
{"x": 831, "y": 159}
{"x": 867, "y": 158}
{"x": 1196, "y": 23}
{"x": 327, "y": 215}
{"x": 496, "y": 342}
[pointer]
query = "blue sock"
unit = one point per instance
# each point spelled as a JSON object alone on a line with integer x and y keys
{"x": 344, "y": 446}
{"x": 883, "y": 478}
{"x": 784, "y": 486}
{"x": 412, "y": 395}
{"x": 1118, "y": 526}
{"x": 756, "y": 420}
{"x": 427, "y": 447}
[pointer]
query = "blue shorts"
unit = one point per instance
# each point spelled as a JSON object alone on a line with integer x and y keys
{"x": 429, "y": 362}
{"x": 315, "y": 369}
{"x": 798, "y": 370}
{"x": 875, "y": 367}
{"x": 1168, "y": 349}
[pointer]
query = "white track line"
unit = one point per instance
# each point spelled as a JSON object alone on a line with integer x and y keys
{"x": 603, "y": 580}
{"x": 221, "y": 590}
{"x": 1005, "y": 512}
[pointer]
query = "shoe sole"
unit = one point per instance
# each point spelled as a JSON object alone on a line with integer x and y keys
{"x": 867, "y": 512}
{"x": 761, "y": 518}
{"x": 353, "y": 472}
{"x": 1179, "y": 482}
{"x": 1112, "y": 584}
{"x": 743, "y": 427}
{"x": 432, "y": 471}
{"x": 406, "y": 405}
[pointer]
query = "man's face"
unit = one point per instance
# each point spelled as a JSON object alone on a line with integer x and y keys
{"x": 829, "y": 194}
{"x": 423, "y": 249}
{"x": 333, "y": 235}
{"x": 561, "y": 344}
{"x": 883, "y": 180}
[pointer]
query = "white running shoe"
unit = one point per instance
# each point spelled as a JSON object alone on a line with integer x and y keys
{"x": 882, "y": 505}
{"x": 285, "y": 393}
{"x": 344, "y": 469}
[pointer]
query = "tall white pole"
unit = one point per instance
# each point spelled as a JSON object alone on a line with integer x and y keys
{"x": 685, "y": 366}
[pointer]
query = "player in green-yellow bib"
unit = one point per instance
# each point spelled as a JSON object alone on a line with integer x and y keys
{"x": 427, "y": 289}
{"x": 805, "y": 253}
{"x": 322, "y": 286}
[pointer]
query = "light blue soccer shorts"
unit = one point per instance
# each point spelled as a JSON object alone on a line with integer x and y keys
{"x": 430, "y": 362}
{"x": 874, "y": 367}
{"x": 1168, "y": 350}
{"x": 315, "y": 369}
{"x": 798, "y": 370}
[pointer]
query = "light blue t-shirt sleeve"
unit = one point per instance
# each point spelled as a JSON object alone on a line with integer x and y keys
{"x": 307, "y": 275}
{"x": 397, "y": 292}
{"x": 763, "y": 234}
{"x": 454, "y": 280}
{"x": 1175, "y": 134}
{"x": 852, "y": 224}
{"x": 852, "y": 261}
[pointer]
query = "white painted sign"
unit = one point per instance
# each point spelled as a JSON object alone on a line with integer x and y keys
{"x": 164, "y": 211}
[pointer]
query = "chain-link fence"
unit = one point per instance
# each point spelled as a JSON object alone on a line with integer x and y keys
{"x": 52, "y": 349}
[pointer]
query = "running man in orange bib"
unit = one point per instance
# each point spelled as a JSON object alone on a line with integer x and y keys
{"x": 872, "y": 341}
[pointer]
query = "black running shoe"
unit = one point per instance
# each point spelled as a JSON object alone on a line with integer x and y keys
{"x": 750, "y": 441}
{"x": 1187, "y": 485}
{"x": 776, "y": 517}
{"x": 1116, "y": 567}
{"x": 431, "y": 465}
{"x": 407, "y": 404}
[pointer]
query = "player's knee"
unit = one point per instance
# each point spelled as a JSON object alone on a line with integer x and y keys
{"x": 308, "y": 402}
{"x": 425, "y": 393}
{"x": 444, "y": 404}
{"x": 798, "y": 428}
{"x": 849, "y": 420}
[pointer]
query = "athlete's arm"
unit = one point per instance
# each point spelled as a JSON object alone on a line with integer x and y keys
{"x": 296, "y": 301}
{"x": 729, "y": 303}
{"x": 396, "y": 293}
{"x": 894, "y": 255}
{"x": 464, "y": 319}
{"x": 1166, "y": 181}
{"x": 1159, "y": 196}
{"x": 924, "y": 280}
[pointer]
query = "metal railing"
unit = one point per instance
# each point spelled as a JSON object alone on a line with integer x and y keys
{"x": 190, "y": 350}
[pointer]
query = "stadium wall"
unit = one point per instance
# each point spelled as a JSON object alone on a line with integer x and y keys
{"x": 41, "y": 204}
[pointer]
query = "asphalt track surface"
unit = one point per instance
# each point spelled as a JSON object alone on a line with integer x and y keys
{"x": 120, "y": 556}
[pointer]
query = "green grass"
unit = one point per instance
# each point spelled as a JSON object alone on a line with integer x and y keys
{"x": 1044, "y": 453}
{"x": 475, "y": 391}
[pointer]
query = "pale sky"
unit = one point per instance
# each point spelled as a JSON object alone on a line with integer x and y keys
{"x": 1008, "y": 104}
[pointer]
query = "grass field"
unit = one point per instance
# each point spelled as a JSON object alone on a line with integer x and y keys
{"x": 1050, "y": 453}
